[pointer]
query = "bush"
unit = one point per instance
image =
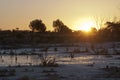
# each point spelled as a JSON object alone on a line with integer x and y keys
{"x": 47, "y": 60}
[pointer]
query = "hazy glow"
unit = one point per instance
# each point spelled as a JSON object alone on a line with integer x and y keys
{"x": 18, "y": 13}
{"x": 85, "y": 24}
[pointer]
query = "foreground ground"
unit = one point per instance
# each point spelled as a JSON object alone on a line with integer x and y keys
{"x": 90, "y": 62}
{"x": 81, "y": 67}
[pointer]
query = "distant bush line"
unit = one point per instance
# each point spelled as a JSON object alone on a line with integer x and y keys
{"x": 35, "y": 38}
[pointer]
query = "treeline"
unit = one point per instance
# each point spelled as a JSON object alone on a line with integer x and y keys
{"x": 36, "y": 38}
{"x": 61, "y": 34}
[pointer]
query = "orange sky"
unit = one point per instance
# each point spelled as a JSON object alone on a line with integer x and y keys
{"x": 18, "y": 13}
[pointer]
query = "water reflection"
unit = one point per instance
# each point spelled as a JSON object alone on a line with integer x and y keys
{"x": 8, "y": 60}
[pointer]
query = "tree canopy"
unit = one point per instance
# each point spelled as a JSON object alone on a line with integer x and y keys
{"x": 37, "y": 25}
{"x": 59, "y": 26}
{"x": 114, "y": 27}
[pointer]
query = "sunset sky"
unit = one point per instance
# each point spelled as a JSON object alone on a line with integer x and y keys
{"x": 73, "y": 13}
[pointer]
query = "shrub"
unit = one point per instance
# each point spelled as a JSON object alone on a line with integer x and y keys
{"x": 47, "y": 60}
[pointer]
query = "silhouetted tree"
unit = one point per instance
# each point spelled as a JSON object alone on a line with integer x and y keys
{"x": 60, "y": 27}
{"x": 100, "y": 21}
{"x": 114, "y": 27}
{"x": 37, "y": 25}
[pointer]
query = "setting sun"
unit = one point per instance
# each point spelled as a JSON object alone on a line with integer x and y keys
{"x": 85, "y": 24}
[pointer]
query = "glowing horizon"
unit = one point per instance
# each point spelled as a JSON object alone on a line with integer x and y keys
{"x": 18, "y": 13}
{"x": 85, "y": 24}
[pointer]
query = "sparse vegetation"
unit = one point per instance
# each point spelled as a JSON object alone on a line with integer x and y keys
{"x": 36, "y": 45}
{"x": 48, "y": 61}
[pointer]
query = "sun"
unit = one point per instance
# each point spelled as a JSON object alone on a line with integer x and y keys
{"x": 85, "y": 24}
